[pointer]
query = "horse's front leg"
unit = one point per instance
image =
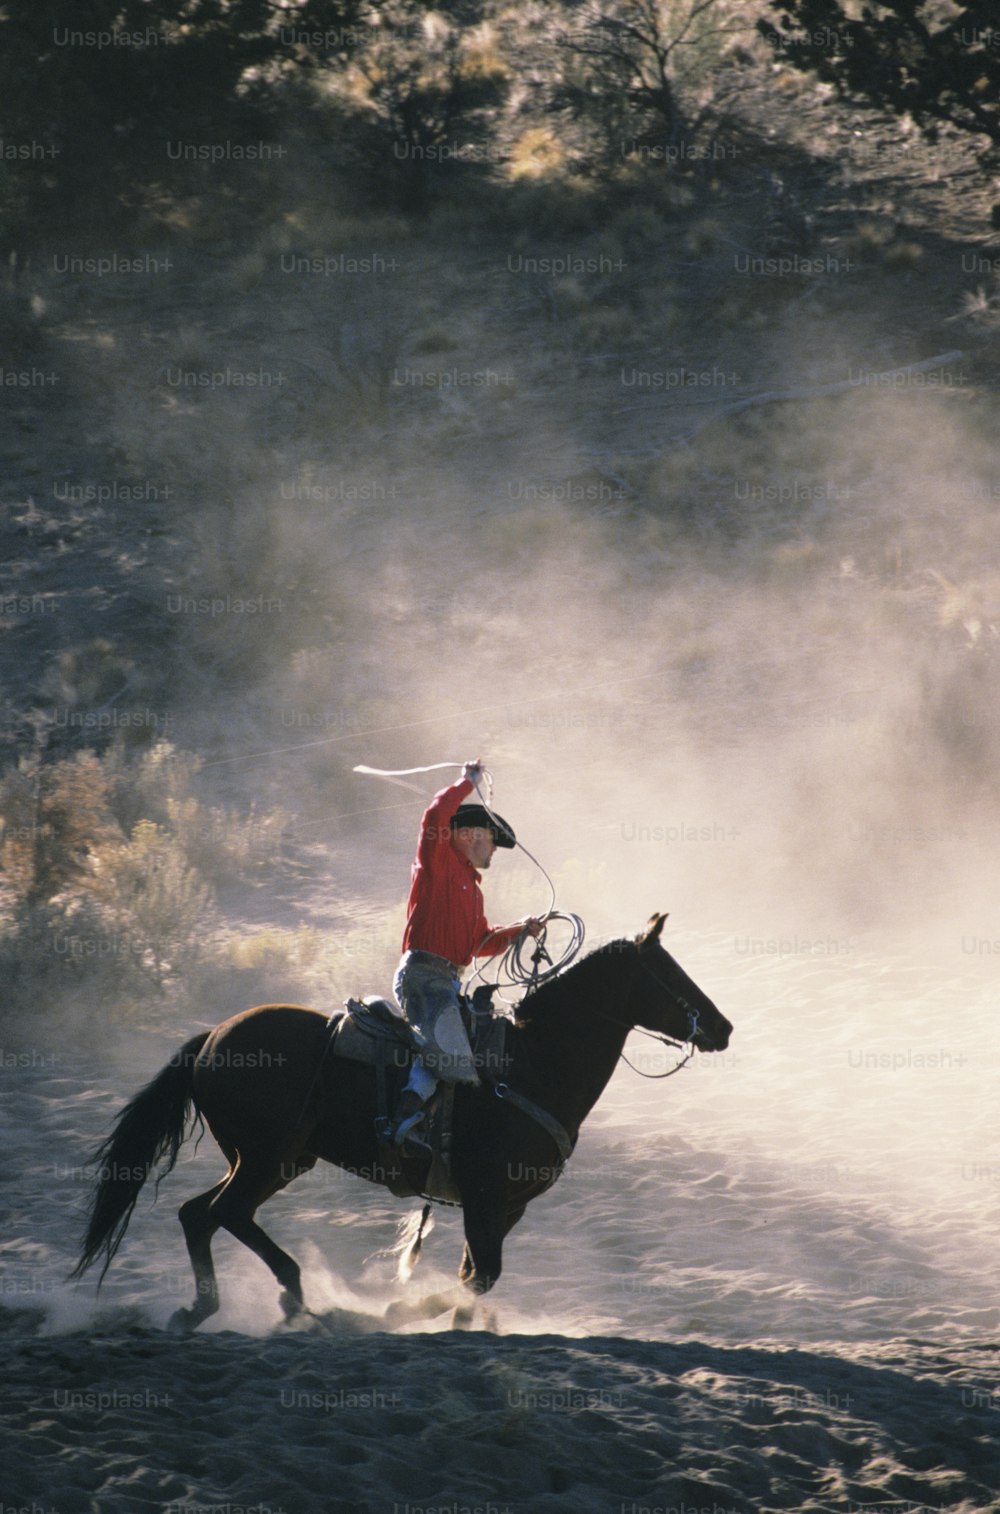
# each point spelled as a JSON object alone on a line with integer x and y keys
{"x": 486, "y": 1225}
{"x": 469, "y": 1267}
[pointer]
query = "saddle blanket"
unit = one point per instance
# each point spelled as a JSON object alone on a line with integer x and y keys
{"x": 372, "y": 1031}
{"x": 364, "y": 1026}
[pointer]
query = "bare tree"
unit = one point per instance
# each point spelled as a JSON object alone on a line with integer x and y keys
{"x": 642, "y": 63}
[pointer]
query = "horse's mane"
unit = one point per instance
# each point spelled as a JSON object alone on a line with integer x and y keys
{"x": 548, "y": 996}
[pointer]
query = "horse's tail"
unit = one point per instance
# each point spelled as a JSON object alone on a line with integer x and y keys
{"x": 411, "y": 1241}
{"x": 152, "y": 1127}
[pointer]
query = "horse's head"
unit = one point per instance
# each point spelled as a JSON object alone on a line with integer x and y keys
{"x": 666, "y": 1000}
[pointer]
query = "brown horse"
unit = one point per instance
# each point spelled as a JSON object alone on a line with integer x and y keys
{"x": 254, "y": 1080}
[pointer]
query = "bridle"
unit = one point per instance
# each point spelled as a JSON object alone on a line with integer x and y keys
{"x": 655, "y": 1035}
{"x": 693, "y": 1028}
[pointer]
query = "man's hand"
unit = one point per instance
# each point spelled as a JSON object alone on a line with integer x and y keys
{"x": 533, "y": 927}
{"x": 473, "y": 771}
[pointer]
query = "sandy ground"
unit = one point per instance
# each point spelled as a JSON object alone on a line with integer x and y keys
{"x": 128, "y": 1419}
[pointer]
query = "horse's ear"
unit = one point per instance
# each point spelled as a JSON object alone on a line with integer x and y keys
{"x": 652, "y": 931}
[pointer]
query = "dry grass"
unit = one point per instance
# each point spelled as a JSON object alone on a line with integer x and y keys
{"x": 110, "y": 870}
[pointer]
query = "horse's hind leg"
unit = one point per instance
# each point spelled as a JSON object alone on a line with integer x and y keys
{"x": 255, "y": 1179}
{"x": 199, "y": 1227}
{"x": 202, "y": 1216}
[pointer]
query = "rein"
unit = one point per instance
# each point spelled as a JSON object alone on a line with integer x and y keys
{"x": 676, "y": 1045}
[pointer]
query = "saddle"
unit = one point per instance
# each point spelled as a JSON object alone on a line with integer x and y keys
{"x": 371, "y": 1030}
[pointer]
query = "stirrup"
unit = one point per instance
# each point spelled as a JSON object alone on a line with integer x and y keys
{"x": 407, "y": 1136}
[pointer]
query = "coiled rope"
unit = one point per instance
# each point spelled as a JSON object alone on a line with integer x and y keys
{"x": 512, "y": 970}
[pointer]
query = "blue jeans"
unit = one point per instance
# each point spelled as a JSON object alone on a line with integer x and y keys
{"x": 427, "y": 989}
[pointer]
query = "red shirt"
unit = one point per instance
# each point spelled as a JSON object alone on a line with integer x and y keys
{"x": 444, "y": 914}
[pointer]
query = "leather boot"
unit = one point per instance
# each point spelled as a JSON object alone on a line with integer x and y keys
{"x": 406, "y": 1135}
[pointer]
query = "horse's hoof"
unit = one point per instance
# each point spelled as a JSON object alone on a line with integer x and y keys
{"x": 182, "y": 1322}
{"x": 291, "y": 1304}
{"x": 403, "y": 1312}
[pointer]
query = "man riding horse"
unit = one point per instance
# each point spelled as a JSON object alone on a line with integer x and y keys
{"x": 445, "y": 928}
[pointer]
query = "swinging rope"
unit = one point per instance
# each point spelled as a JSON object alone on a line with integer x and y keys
{"x": 405, "y": 772}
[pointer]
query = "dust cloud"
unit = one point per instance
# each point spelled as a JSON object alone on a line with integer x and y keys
{"x": 781, "y": 726}
{"x": 775, "y": 723}
{"x": 744, "y": 675}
